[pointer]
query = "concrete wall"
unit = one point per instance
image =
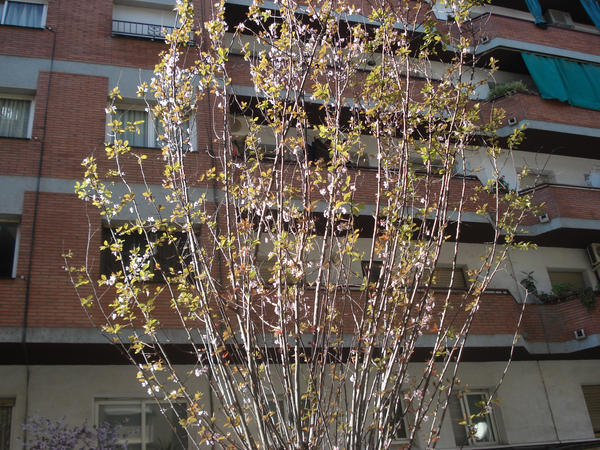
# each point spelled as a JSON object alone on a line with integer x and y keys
{"x": 71, "y": 391}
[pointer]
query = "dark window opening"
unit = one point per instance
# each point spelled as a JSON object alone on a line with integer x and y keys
{"x": 166, "y": 258}
{"x": 375, "y": 273}
{"x": 8, "y": 248}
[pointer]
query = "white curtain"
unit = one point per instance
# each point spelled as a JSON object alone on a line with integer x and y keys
{"x": 14, "y": 117}
{"x": 24, "y": 14}
{"x": 135, "y": 139}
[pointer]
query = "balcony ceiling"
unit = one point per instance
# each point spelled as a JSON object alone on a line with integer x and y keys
{"x": 564, "y": 144}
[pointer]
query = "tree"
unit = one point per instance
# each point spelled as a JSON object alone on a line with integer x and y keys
{"x": 302, "y": 276}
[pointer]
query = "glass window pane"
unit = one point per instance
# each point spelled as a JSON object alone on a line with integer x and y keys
{"x": 14, "y": 117}
{"x": 24, "y": 14}
{"x": 127, "y": 417}
{"x": 481, "y": 426}
{"x": 135, "y": 139}
{"x": 162, "y": 427}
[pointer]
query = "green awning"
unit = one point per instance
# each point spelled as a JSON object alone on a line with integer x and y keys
{"x": 568, "y": 81}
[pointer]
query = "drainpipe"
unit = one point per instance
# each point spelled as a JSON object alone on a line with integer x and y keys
{"x": 33, "y": 229}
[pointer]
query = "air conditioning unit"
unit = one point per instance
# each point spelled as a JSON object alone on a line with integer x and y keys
{"x": 593, "y": 251}
{"x": 559, "y": 18}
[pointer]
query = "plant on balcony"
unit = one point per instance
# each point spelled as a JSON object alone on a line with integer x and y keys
{"x": 300, "y": 320}
{"x": 587, "y": 296}
{"x": 566, "y": 291}
{"x": 507, "y": 89}
{"x": 529, "y": 284}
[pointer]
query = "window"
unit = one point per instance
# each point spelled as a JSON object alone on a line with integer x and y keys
{"x": 443, "y": 275}
{"x": 566, "y": 280}
{"x": 591, "y": 394}
{"x": 400, "y": 433}
{"x": 15, "y": 117}
{"x": 24, "y": 14}
{"x": 146, "y": 131}
{"x": 9, "y": 244}
{"x": 534, "y": 179}
{"x": 143, "y": 424}
{"x": 286, "y": 414}
{"x": 375, "y": 270}
{"x": 6, "y": 408}
{"x": 164, "y": 260}
{"x": 472, "y": 420}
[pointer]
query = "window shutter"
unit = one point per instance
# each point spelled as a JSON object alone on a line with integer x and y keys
{"x": 443, "y": 276}
{"x": 575, "y": 279}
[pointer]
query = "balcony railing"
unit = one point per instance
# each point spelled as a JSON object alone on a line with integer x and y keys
{"x": 141, "y": 30}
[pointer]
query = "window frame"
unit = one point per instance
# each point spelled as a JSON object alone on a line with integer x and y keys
{"x": 30, "y": 2}
{"x": 9, "y": 402}
{"x": 376, "y": 269}
{"x": 396, "y": 439}
{"x": 30, "y": 117}
{"x": 560, "y": 272}
{"x": 541, "y": 178}
{"x": 282, "y": 403}
{"x": 591, "y": 397}
{"x": 15, "y": 257}
{"x": 458, "y": 270}
{"x": 162, "y": 255}
{"x": 142, "y": 403}
{"x": 151, "y": 140}
{"x": 466, "y": 413}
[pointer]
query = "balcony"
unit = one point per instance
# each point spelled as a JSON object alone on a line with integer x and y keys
{"x": 541, "y": 323}
{"x": 140, "y": 30}
{"x": 551, "y": 126}
{"x": 565, "y": 201}
{"x": 558, "y": 322}
{"x": 506, "y": 27}
{"x": 572, "y": 215}
{"x": 499, "y": 32}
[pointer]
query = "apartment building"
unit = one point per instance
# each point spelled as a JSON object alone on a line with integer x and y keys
{"x": 60, "y": 60}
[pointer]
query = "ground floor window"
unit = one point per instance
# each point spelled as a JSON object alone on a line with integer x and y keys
{"x": 592, "y": 401}
{"x": 6, "y": 409}
{"x": 473, "y": 419}
{"x": 144, "y": 424}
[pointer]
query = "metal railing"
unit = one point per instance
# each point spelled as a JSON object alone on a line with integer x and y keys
{"x": 142, "y": 30}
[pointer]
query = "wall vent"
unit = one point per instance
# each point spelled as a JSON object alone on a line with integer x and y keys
{"x": 512, "y": 121}
{"x": 544, "y": 218}
{"x": 579, "y": 334}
